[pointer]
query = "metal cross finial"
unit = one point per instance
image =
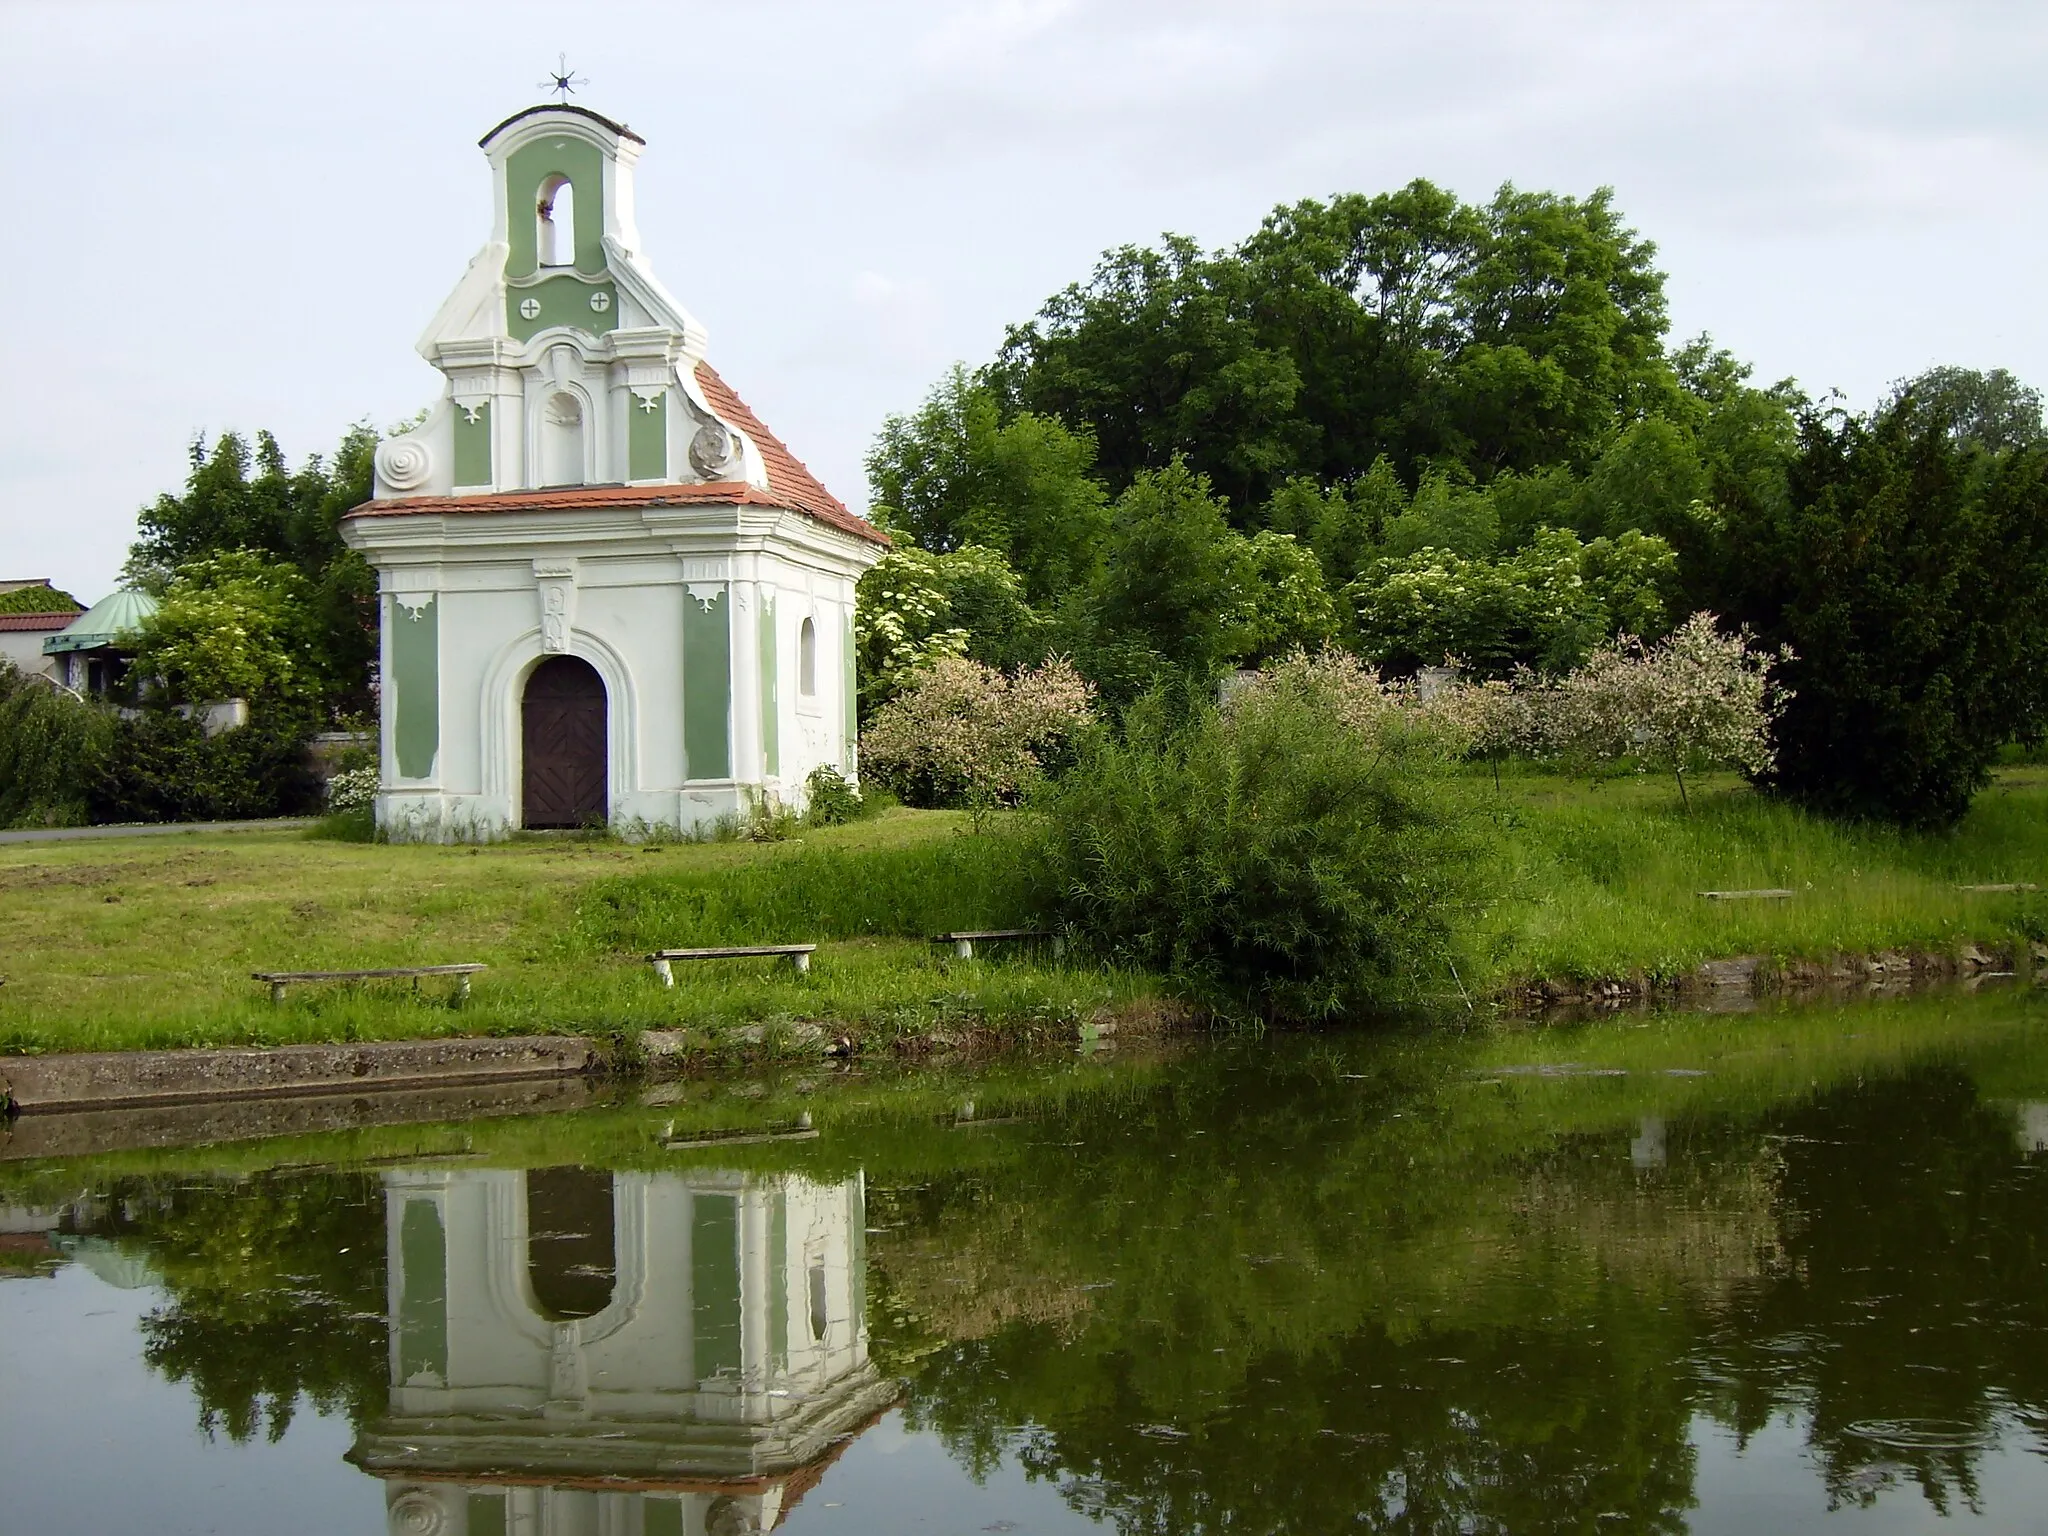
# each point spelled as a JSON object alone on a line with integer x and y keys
{"x": 559, "y": 78}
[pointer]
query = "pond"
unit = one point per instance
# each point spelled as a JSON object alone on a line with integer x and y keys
{"x": 1785, "y": 1270}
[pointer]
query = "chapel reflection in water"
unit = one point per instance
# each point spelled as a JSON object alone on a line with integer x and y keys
{"x": 633, "y": 1354}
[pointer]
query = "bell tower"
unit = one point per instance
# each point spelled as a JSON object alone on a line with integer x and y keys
{"x": 568, "y": 364}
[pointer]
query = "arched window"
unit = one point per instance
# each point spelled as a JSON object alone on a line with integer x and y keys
{"x": 807, "y": 659}
{"x": 561, "y": 440}
{"x": 557, "y": 233}
{"x": 571, "y": 1255}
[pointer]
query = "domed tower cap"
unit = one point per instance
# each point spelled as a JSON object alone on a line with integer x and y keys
{"x": 555, "y": 108}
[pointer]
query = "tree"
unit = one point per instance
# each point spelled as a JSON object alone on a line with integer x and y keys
{"x": 1700, "y": 699}
{"x": 1544, "y": 606}
{"x": 239, "y": 497}
{"x": 1283, "y": 605}
{"x": 914, "y": 607}
{"x": 1157, "y": 356}
{"x": 956, "y": 474}
{"x": 1169, "y": 594}
{"x": 1506, "y": 336}
{"x": 1987, "y": 410}
{"x": 234, "y": 625}
{"x": 1908, "y": 573}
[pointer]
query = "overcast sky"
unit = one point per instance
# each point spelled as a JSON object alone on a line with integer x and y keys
{"x": 242, "y": 216}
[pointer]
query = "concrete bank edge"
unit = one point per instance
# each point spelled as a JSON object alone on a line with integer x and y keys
{"x": 126, "y": 1079}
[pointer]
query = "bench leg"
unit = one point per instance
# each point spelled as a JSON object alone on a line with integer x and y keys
{"x": 666, "y": 972}
{"x": 1059, "y": 947}
{"x": 277, "y": 991}
{"x": 461, "y": 990}
{"x": 802, "y": 963}
{"x": 963, "y": 949}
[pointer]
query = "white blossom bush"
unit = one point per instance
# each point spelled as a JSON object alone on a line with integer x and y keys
{"x": 962, "y": 733}
{"x": 352, "y": 789}
{"x": 1698, "y": 699}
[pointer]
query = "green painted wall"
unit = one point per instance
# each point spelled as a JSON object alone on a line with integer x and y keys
{"x": 659, "y": 1517}
{"x": 423, "y": 1304}
{"x": 487, "y": 1514}
{"x": 647, "y": 437}
{"x": 525, "y": 170}
{"x": 715, "y": 1284}
{"x": 473, "y": 445}
{"x": 847, "y": 683}
{"x": 563, "y": 300}
{"x": 416, "y": 687}
{"x": 771, "y": 716}
{"x": 707, "y": 686}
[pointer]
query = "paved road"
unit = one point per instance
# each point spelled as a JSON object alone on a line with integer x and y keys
{"x": 152, "y": 829}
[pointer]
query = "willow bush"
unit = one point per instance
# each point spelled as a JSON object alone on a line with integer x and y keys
{"x": 1279, "y": 855}
{"x": 51, "y": 749}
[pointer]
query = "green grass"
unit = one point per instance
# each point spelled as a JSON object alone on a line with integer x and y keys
{"x": 1603, "y": 880}
{"x": 126, "y": 944}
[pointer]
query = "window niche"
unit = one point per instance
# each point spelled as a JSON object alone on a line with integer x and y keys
{"x": 556, "y": 235}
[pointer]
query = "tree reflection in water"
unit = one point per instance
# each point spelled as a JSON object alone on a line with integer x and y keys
{"x": 1285, "y": 1287}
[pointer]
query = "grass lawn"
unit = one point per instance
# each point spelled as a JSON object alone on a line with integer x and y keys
{"x": 1602, "y": 880}
{"x": 114, "y": 944}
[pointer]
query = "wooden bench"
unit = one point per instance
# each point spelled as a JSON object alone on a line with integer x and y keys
{"x": 1748, "y": 895}
{"x": 964, "y": 940}
{"x": 2011, "y": 888}
{"x": 798, "y": 955}
{"x": 279, "y": 980}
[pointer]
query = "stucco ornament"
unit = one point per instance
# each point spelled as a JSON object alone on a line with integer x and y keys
{"x": 711, "y": 450}
{"x": 557, "y": 604}
{"x": 403, "y": 463}
{"x": 418, "y": 1513}
{"x": 600, "y": 301}
{"x": 529, "y": 308}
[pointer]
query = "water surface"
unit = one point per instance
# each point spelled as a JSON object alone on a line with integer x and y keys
{"x": 1776, "y": 1272}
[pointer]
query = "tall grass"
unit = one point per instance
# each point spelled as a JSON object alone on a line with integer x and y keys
{"x": 1604, "y": 880}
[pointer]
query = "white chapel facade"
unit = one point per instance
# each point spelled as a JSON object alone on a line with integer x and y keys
{"x": 608, "y": 593}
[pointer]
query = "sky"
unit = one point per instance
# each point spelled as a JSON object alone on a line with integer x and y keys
{"x": 241, "y": 216}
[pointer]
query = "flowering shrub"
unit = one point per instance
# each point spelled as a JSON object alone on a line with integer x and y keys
{"x": 963, "y": 732}
{"x": 352, "y": 789}
{"x": 1697, "y": 699}
{"x": 914, "y": 608}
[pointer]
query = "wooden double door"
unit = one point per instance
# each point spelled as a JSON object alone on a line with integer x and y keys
{"x": 563, "y": 734}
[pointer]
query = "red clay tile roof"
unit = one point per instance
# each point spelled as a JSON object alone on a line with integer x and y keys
{"x": 21, "y": 621}
{"x": 790, "y": 485}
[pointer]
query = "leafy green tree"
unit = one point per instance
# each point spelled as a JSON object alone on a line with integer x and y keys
{"x": 1513, "y": 335}
{"x": 1908, "y": 574}
{"x": 913, "y": 607}
{"x": 51, "y": 747}
{"x": 243, "y": 497}
{"x": 1169, "y": 596}
{"x": 956, "y": 474}
{"x": 1283, "y": 605}
{"x": 1444, "y": 516}
{"x": 1986, "y": 410}
{"x": 1544, "y": 606}
{"x": 233, "y": 625}
{"x": 1157, "y": 355}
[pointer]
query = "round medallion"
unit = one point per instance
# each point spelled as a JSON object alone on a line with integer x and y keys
{"x": 403, "y": 463}
{"x": 711, "y": 449}
{"x": 418, "y": 1513}
{"x": 530, "y": 308}
{"x": 600, "y": 301}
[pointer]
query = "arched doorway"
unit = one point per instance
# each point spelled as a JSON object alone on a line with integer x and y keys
{"x": 562, "y": 730}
